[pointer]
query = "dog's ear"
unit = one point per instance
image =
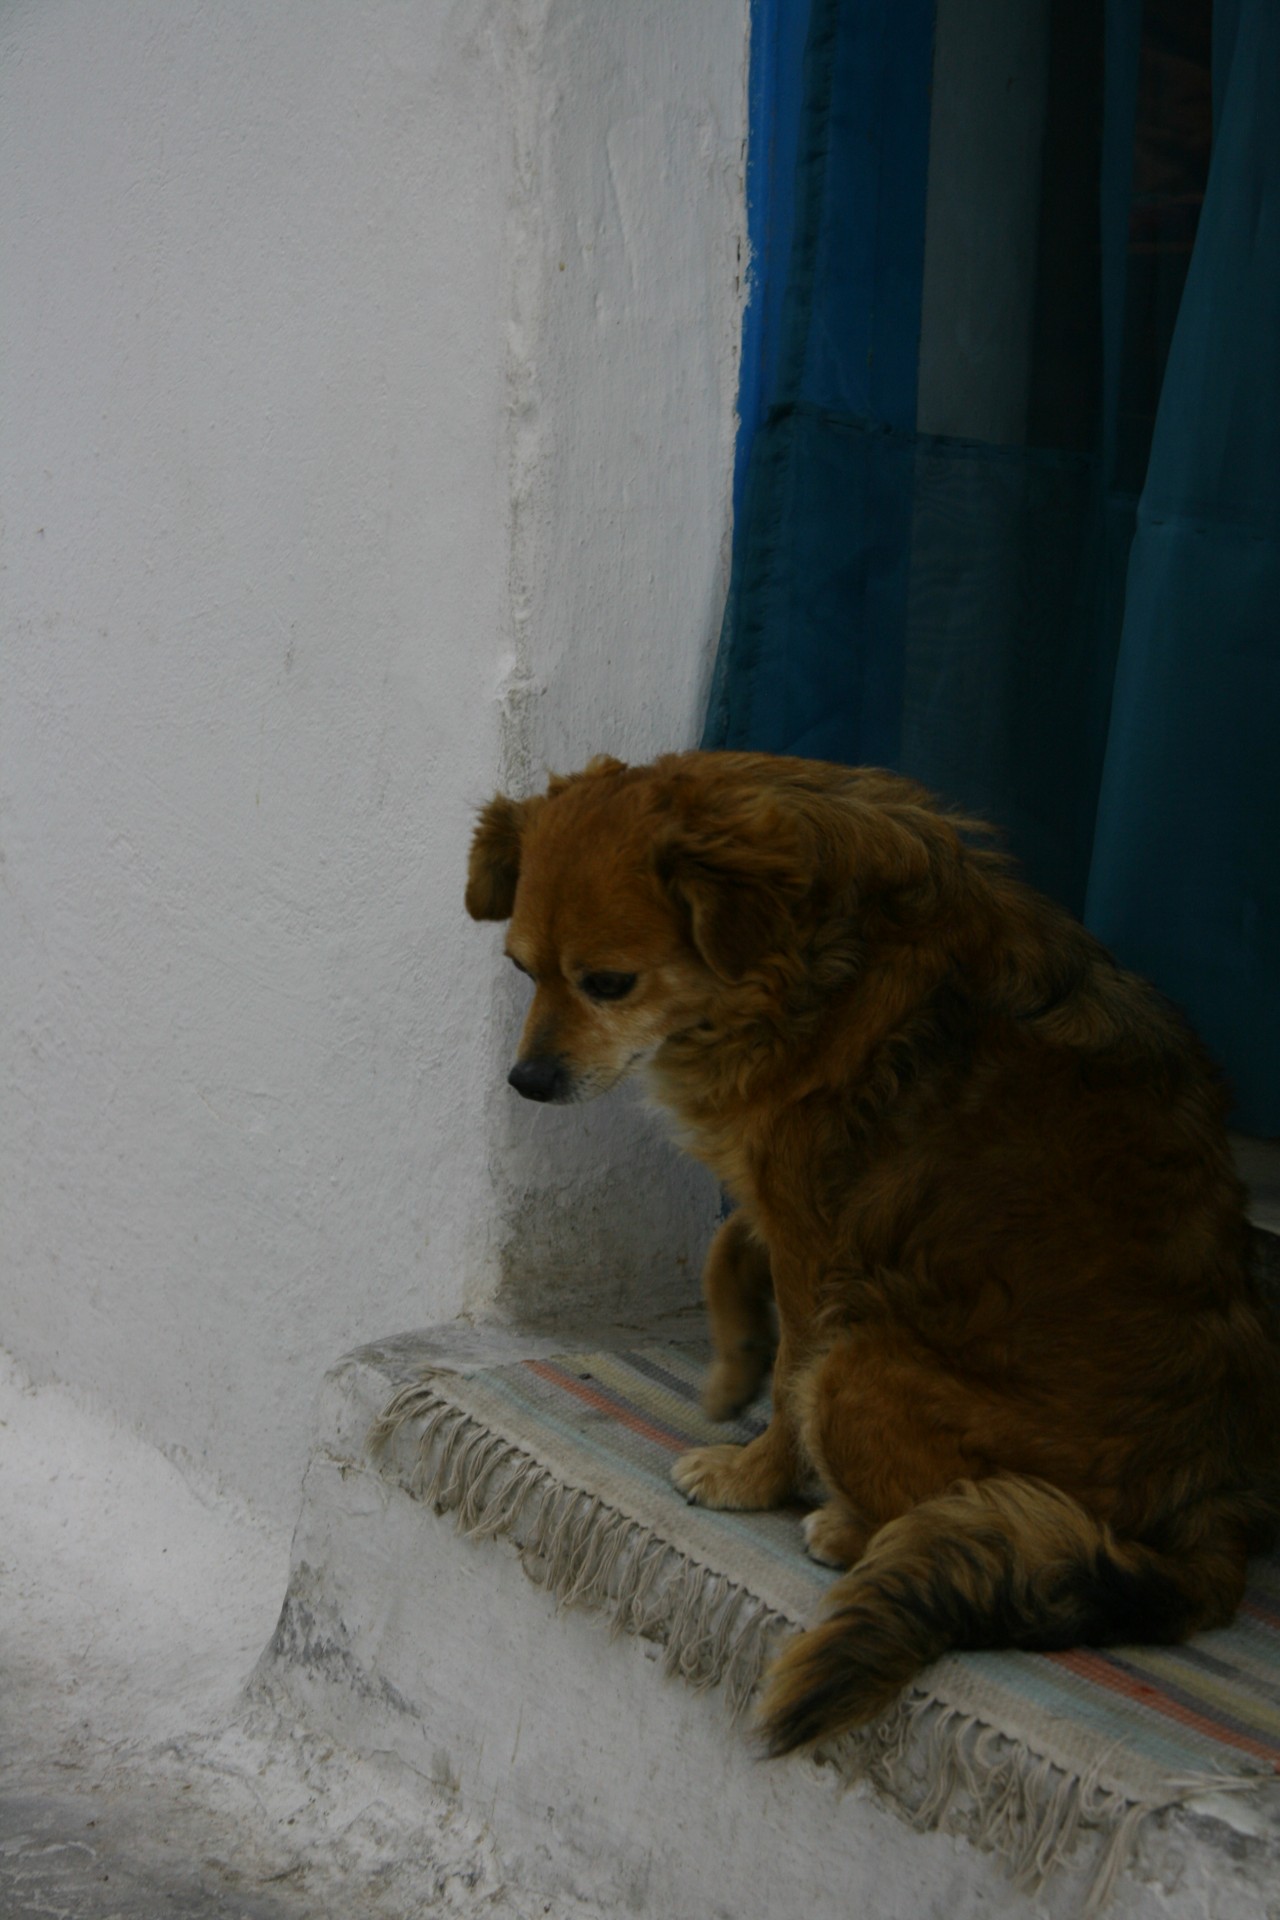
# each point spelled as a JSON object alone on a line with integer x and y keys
{"x": 599, "y": 764}
{"x": 738, "y": 901}
{"x": 494, "y": 865}
{"x": 763, "y": 881}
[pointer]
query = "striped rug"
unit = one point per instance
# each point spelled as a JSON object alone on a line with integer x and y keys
{"x": 571, "y": 1457}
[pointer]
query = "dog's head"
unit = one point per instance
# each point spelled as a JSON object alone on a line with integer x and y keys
{"x": 646, "y": 902}
{"x": 592, "y": 925}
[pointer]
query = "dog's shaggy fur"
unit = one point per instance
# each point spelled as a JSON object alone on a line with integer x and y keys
{"x": 981, "y": 1175}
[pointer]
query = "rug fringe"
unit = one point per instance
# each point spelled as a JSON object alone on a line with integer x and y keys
{"x": 1005, "y": 1797}
{"x": 584, "y": 1552}
{"x": 944, "y": 1767}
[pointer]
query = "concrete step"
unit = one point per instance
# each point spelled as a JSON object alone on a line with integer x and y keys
{"x": 603, "y": 1780}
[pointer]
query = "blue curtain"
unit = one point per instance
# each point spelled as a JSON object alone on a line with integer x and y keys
{"x": 1074, "y": 630}
{"x": 811, "y": 660}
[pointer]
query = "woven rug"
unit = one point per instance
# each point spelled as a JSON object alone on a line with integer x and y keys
{"x": 570, "y": 1457}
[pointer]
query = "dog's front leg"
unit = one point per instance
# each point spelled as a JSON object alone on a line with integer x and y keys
{"x": 761, "y": 1474}
{"x": 737, "y": 1285}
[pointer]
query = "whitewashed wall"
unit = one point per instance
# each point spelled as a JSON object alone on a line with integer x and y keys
{"x": 368, "y": 412}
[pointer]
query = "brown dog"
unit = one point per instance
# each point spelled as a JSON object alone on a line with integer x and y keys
{"x": 981, "y": 1171}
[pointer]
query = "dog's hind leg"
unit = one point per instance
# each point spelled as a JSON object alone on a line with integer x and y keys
{"x": 836, "y": 1534}
{"x": 887, "y": 1427}
{"x": 737, "y": 1284}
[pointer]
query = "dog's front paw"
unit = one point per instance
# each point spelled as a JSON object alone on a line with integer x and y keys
{"x": 731, "y": 1477}
{"x": 708, "y": 1475}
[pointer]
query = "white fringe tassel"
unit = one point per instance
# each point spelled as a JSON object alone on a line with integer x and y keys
{"x": 587, "y": 1553}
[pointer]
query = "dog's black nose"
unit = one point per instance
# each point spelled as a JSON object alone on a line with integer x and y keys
{"x": 542, "y": 1078}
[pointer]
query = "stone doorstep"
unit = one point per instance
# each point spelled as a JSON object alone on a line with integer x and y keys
{"x": 603, "y": 1780}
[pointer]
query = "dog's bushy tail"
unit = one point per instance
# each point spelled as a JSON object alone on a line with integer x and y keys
{"x": 1003, "y": 1562}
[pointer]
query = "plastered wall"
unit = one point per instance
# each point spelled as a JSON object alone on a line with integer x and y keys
{"x": 368, "y": 399}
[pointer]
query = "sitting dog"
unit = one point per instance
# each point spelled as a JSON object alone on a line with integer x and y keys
{"x": 981, "y": 1175}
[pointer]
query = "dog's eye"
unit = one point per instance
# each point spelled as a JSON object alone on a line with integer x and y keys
{"x": 607, "y": 986}
{"x": 519, "y": 966}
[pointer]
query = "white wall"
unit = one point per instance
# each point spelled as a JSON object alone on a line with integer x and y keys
{"x": 627, "y": 244}
{"x": 368, "y": 393}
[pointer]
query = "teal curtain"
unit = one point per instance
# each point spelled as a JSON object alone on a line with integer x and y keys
{"x": 1184, "y": 881}
{"x": 1077, "y": 634}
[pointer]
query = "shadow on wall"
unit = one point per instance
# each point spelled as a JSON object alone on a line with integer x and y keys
{"x": 602, "y": 1219}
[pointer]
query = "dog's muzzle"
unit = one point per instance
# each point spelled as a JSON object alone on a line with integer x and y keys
{"x": 545, "y": 1077}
